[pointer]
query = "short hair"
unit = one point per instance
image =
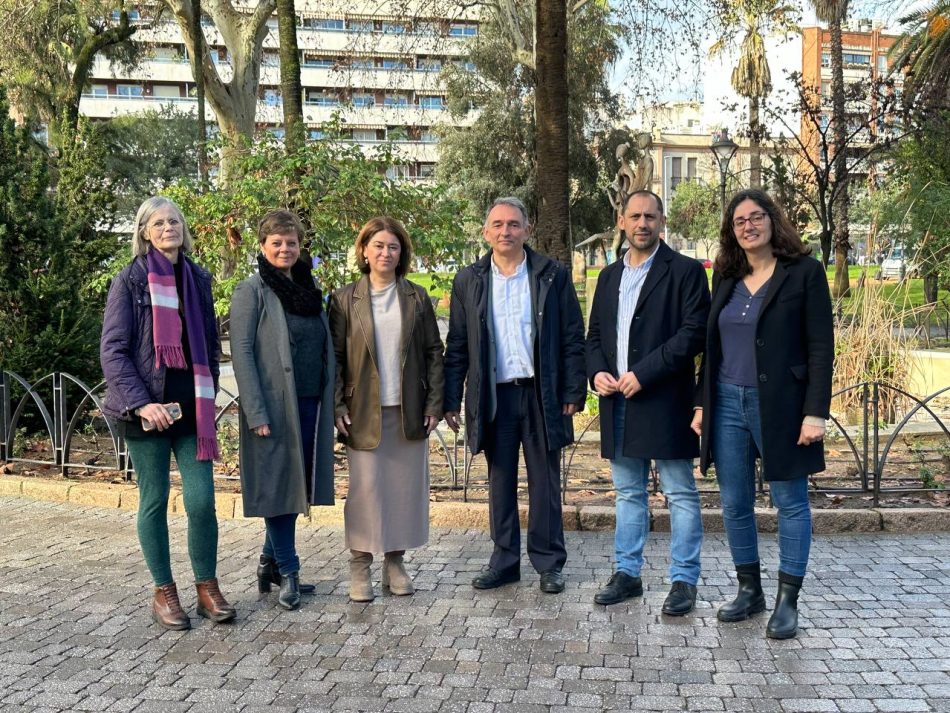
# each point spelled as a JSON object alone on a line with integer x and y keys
{"x": 643, "y": 192}
{"x": 731, "y": 260}
{"x": 144, "y": 214}
{"x": 511, "y": 201}
{"x": 279, "y": 222}
{"x": 378, "y": 225}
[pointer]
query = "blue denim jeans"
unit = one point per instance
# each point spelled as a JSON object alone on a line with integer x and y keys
{"x": 736, "y": 441}
{"x": 280, "y": 531}
{"x": 630, "y": 476}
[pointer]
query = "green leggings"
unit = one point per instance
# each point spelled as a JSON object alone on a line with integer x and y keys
{"x": 151, "y": 458}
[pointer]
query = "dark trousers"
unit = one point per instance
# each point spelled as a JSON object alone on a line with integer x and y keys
{"x": 519, "y": 422}
{"x": 280, "y": 534}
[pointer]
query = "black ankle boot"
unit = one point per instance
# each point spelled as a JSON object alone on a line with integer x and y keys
{"x": 783, "y": 624}
{"x": 289, "y": 591}
{"x": 268, "y": 574}
{"x": 750, "y": 599}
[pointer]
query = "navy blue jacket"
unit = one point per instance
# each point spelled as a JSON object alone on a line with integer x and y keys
{"x": 127, "y": 350}
{"x": 558, "y": 348}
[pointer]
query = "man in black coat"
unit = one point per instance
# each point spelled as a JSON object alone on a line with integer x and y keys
{"x": 516, "y": 343}
{"x": 647, "y": 325}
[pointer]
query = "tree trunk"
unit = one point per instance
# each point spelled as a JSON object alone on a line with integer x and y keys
{"x": 234, "y": 102}
{"x": 200, "y": 95}
{"x": 840, "y": 196}
{"x": 553, "y": 230}
{"x": 755, "y": 144}
{"x": 290, "y": 75}
{"x": 931, "y": 282}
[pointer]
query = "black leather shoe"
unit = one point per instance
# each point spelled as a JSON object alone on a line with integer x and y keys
{"x": 268, "y": 574}
{"x": 491, "y": 578}
{"x": 289, "y": 597}
{"x": 750, "y": 599}
{"x": 552, "y": 581}
{"x": 680, "y": 600}
{"x": 619, "y": 587}
{"x": 783, "y": 624}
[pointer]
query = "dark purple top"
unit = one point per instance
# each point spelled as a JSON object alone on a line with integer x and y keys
{"x": 737, "y": 335}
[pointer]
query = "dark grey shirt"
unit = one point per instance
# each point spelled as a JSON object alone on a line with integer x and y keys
{"x": 308, "y": 343}
{"x": 737, "y": 335}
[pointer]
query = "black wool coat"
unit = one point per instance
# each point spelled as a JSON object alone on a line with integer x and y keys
{"x": 558, "y": 349}
{"x": 666, "y": 335}
{"x": 794, "y": 357}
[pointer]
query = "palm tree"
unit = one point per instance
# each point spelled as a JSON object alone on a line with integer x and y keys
{"x": 922, "y": 53}
{"x": 751, "y": 77}
{"x": 834, "y": 12}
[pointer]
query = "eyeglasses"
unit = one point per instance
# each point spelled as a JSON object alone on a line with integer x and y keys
{"x": 160, "y": 224}
{"x": 756, "y": 219}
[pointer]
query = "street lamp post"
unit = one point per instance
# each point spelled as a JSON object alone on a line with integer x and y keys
{"x": 723, "y": 149}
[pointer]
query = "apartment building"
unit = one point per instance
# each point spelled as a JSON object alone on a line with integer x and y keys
{"x": 371, "y": 63}
{"x": 865, "y": 45}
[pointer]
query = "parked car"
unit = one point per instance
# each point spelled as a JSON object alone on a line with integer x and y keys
{"x": 896, "y": 264}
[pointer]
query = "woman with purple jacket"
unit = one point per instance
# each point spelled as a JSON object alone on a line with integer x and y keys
{"x": 159, "y": 354}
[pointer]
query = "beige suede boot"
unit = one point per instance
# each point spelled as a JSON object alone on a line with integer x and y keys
{"x": 394, "y": 575}
{"x": 361, "y": 582}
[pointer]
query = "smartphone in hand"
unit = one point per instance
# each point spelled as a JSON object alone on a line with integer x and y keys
{"x": 174, "y": 410}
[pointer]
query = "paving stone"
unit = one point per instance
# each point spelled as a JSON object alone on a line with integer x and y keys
{"x": 875, "y": 628}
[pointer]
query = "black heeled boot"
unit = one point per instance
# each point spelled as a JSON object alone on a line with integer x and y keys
{"x": 268, "y": 574}
{"x": 783, "y": 624}
{"x": 750, "y": 599}
{"x": 289, "y": 597}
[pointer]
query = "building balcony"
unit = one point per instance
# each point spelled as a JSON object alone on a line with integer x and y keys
{"x": 370, "y": 78}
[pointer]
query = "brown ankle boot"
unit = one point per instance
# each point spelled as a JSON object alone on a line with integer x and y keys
{"x": 166, "y": 609}
{"x": 394, "y": 575}
{"x": 212, "y": 604}
{"x": 361, "y": 581}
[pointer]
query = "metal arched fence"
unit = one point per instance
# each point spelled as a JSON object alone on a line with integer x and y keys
{"x": 882, "y": 441}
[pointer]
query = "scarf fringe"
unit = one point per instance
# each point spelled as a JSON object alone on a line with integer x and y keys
{"x": 171, "y": 355}
{"x": 208, "y": 448}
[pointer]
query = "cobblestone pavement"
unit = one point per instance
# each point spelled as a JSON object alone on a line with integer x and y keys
{"x": 75, "y": 635}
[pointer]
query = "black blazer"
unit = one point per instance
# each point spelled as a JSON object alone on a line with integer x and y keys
{"x": 666, "y": 335}
{"x": 794, "y": 356}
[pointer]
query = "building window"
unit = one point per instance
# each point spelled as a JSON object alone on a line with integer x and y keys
{"x": 856, "y": 59}
{"x": 429, "y": 64}
{"x": 322, "y": 99}
{"x": 169, "y": 91}
{"x": 129, "y": 90}
{"x": 396, "y": 100}
{"x": 99, "y": 90}
{"x": 360, "y": 26}
{"x": 431, "y": 102}
{"x": 825, "y": 59}
{"x": 394, "y": 28}
{"x": 316, "y": 134}
{"x": 466, "y": 64}
{"x": 429, "y": 29}
{"x": 395, "y": 64}
{"x": 676, "y": 171}
{"x": 426, "y": 170}
{"x": 364, "y": 134}
{"x": 270, "y": 59}
{"x": 882, "y": 63}
{"x": 363, "y": 100}
{"x": 462, "y": 29}
{"x": 428, "y": 136}
{"x": 134, "y": 16}
{"x": 315, "y": 23}
{"x": 692, "y": 168}
{"x": 397, "y": 172}
{"x": 272, "y": 97}
{"x": 362, "y": 63}
{"x": 323, "y": 62}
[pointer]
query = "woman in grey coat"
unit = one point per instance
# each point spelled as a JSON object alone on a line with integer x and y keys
{"x": 285, "y": 369}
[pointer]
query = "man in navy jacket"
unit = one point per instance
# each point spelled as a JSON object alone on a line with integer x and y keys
{"x": 647, "y": 325}
{"x": 516, "y": 343}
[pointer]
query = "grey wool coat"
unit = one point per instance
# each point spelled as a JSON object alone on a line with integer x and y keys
{"x": 273, "y": 481}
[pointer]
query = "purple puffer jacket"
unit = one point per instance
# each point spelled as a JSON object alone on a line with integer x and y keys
{"x": 127, "y": 351}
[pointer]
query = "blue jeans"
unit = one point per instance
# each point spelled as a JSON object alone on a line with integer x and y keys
{"x": 630, "y": 476}
{"x": 280, "y": 531}
{"x": 736, "y": 441}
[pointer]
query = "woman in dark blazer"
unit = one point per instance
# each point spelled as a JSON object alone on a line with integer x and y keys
{"x": 285, "y": 370}
{"x": 388, "y": 401}
{"x": 765, "y": 391}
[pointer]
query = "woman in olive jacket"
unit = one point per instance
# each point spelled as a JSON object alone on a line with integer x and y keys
{"x": 388, "y": 401}
{"x": 765, "y": 390}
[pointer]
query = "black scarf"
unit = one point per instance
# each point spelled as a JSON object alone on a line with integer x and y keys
{"x": 298, "y": 294}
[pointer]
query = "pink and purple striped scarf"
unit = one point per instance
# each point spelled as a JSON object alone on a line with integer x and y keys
{"x": 166, "y": 334}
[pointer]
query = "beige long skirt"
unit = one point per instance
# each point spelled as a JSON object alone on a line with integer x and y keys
{"x": 387, "y": 506}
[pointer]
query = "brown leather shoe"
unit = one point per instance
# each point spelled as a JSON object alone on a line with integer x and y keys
{"x": 166, "y": 609}
{"x": 212, "y": 604}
